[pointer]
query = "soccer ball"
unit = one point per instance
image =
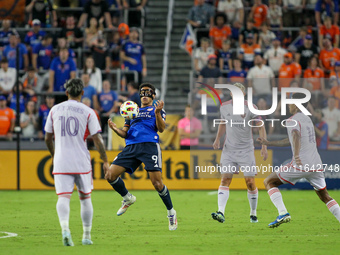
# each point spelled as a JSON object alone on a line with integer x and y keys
{"x": 129, "y": 110}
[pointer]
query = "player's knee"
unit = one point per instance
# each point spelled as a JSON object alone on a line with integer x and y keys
{"x": 250, "y": 182}
{"x": 225, "y": 182}
{"x": 158, "y": 185}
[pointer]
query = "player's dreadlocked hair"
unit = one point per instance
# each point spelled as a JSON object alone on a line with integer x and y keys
{"x": 74, "y": 87}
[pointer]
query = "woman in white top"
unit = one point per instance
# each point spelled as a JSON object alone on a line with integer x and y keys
{"x": 95, "y": 74}
{"x": 29, "y": 120}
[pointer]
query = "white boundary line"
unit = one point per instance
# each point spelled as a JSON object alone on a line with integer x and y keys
{"x": 8, "y": 234}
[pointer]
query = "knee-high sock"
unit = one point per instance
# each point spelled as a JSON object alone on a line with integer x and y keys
{"x": 63, "y": 210}
{"x": 86, "y": 212}
{"x": 222, "y": 197}
{"x": 165, "y": 196}
{"x": 119, "y": 186}
{"x": 253, "y": 196}
{"x": 276, "y": 198}
{"x": 334, "y": 208}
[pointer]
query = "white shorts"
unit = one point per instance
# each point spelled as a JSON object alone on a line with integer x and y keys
{"x": 64, "y": 183}
{"x": 288, "y": 174}
{"x": 233, "y": 162}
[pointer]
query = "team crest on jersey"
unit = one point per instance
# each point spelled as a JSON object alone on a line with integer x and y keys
{"x": 150, "y": 109}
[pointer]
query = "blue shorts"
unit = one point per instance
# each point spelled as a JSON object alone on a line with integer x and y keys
{"x": 134, "y": 154}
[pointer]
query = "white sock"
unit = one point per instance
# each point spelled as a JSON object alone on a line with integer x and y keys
{"x": 86, "y": 212}
{"x": 223, "y": 196}
{"x": 171, "y": 211}
{"x": 276, "y": 198}
{"x": 334, "y": 208}
{"x": 253, "y": 196}
{"x": 127, "y": 196}
{"x": 63, "y": 210}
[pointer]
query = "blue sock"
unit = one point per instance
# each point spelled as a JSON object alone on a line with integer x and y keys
{"x": 119, "y": 186}
{"x": 165, "y": 196}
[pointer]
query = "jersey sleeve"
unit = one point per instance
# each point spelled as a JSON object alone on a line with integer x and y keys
{"x": 49, "y": 122}
{"x": 163, "y": 114}
{"x": 293, "y": 124}
{"x": 93, "y": 124}
{"x": 127, "y": 123}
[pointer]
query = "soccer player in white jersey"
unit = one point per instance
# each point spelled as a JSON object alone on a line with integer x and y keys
{"x": 71, "y": 122}
{"x": 238, "y": 154}
{"x": 306, "y": 163}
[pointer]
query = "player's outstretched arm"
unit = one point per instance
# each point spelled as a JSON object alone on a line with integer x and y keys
{"x": 221, "y": 130}
{"x": 160, "y": 123}
{"x": 99, "y": 143}
{"x": 281, "y": 143}
{"x": 49, "y": 143}
{"x": 263, "y": 134}
{"x": 120, "y": 132}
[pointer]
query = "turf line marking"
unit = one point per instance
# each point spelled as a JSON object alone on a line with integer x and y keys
{"x": 211, "y": 193}
{"x": 8, "y": 234}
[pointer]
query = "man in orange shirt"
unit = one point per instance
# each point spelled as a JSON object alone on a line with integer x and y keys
{"x": 259, "y": 13}
{"x": 314, "y": 75}
{"x": 220, "y": 32}
{"x": 7, "y": 119}
{"x": 328, "y": 56}
{"x": 248, "y": 51}
{"x": 331, "y": 30}
{"x": 289, "y": 70}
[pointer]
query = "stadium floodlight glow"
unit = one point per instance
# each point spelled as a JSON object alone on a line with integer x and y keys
{"x": 238, "y": 100}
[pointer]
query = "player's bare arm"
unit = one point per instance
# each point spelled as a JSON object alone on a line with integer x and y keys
{"x": 263, "y": 134}
{"x": 99, "y": 143}
{"x": 160, "y": 123}
{"x": 49, "y": 143}
{"x": 281, "y": 143}
{"x": 296, "y": 146}
{"x": 220, "y": 132}
{"x": 120, "y": 132}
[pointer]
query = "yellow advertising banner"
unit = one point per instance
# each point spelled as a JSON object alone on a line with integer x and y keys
{"x": 36, "y": 171}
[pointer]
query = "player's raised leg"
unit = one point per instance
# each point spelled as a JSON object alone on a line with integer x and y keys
{"x": 222, "y": 197}
{"x": 253, "y": 196}
{"x": 86, "y": 212}
{"x": 113, "y": 177}
{"x": 331, "y": 204}
{"x": 156, "y": 179}
{"x": 63, "y": 210}
{"x": 271, "y": 183}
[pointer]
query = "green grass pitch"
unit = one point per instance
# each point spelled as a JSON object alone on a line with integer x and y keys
{"x": 143, "y": 229}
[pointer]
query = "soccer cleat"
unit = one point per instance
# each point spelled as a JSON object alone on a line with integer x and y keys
{"x": 67, "y": 239}
{"x": 86, "y": 242}
{"x": 173, "y": 221}
{"x": 279, "y": 220}
{"x": 253, "y": 219}
{"x": 126, "y": 204}
{"x": 218, "y": 216}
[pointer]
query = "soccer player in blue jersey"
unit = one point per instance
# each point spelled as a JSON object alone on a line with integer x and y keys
{"x": 142, "y": 146}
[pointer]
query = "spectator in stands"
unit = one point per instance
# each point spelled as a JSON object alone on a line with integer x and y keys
{"x": 275, "y": 55}
{"x": 329, "y": 30}
{"x": 29, "y": 120}
{"x": 324, "y": 8}
{"x": 133, "y": 55}
{"x": 41, "y": 10}
{"x": 328, "y": 56}
{"x": 7, "y": 119}
{"x": 44, "y": 110}
{"x": 115, "y": 46}
{"x": 292, "y": 12}
{"x": 275, "y": 17}
{"x": 201, "y": 16}
{"x": 261, "y": 79}
{"x": 100, "y": 54}
{"x": 332, "y": 118}
{"x": 62, "y": 69}
{"x": 63, "y": 43}
{"x": 248, "y": 51}
{"x": 108, "y": 103}
{"x": 249, "y": 29}
{"x": 90, "y": 91}
{"x": 305, "y": 52}
{"x": 237, "y": 74}
{"x": 94, "y": 32}
{"x": 135, "y": 15}
{"x": 259, "y": 13}
{"x": 314, "y": 75}
{"x": 233, "y": 9}
{"x": 23, "y": 98}
{"x": 189, "y": 130}
{"x": 289, "y": 71}
{"x": 43, "y": 53}
{"x": 220, "y": 31}
{"x": 262, "y": 106}
{"x": 116, "y": 7}
{"x": 201, "y": 54}
{"x": 8, "y": 76}
{"x": 30, "y": 82}
{"x": 5, "y": 33}
{"x": 266, "y": 37}
{"x": 321, "y": 130}
{"x": 303, "y": 32}
{"x": 94, "y": 73}
{"x": 73, "y": 34}
{"x": 335, "y": 81}
{"x": 34, "y": 36}
{"x": 124, "y": 32}
{"x": 133, "y": 90}
{"x": 335, "y": 74}
{"x": 224, "y": 57}
{"x": 211, "y": 73}
{"x": 97, "y": 9}
{"x": 10, "y": 52}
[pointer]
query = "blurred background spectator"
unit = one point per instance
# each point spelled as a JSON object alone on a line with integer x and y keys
{"x": 97, "y": 9}
{"x": 321, "y": 130}
{"x": 29, "y": 120}
{"x": 11, "y": 55}
{"x": 7, "y": 120}
{"x": 43, "y": 11}
{"x": 201, "y": 54}
{"x": 8, "y": 76}
{"x": 94, "y": 73}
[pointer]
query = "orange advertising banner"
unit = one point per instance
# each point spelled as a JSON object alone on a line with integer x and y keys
{"x": 12, "y": 10}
